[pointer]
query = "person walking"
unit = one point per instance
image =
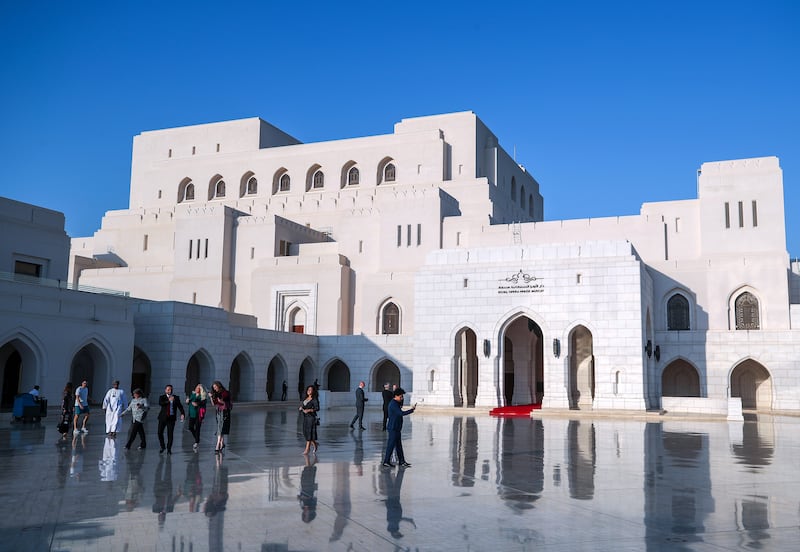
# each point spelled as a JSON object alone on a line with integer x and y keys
{"x": 284, "y": 389}
{"x": 387, "y": 397}
{"x": 395, "y": 426}
{"x": 170, "y": 406}
{"x": 138, "y": 409}
{"x": 114, "y": 403}
{"x": 309, "y": 408}
{"x": 360, "y": 400}
{"x": 197, "y": 412}
{"x": 81, "y": 407}
{"x": 221, "y": 399}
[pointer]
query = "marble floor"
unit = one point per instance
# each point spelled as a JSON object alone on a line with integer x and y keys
{"x": 476, "y": 484}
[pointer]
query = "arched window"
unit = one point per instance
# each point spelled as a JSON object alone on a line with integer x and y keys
{"x": 352, "y": 176}
{"x": 219, "y": 188}
{"x": 318, "y": 180}
{"x": 678, "y": 313}
{"x": 390, "y": 319}
{"x": 284, "y": 183}
{"x": 389, "y": 172}
{"x": 513, "y": 188}
{"x": 747, "y": 312}
{"x": 188, "y": 192}
{"x": 522, "y": 197}
{"x": 252, "y": 185}
{"x": 530, "y": 205}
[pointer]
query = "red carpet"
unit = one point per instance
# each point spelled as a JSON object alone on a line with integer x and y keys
{"x": 517, "y": 410}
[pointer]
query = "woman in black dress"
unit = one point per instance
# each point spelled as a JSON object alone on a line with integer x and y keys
{"x": 67, "y": 409}
{"x": 221, "y": 399}
{"x": 309, "y": 409}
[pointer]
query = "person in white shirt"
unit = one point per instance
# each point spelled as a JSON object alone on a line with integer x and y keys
{"x": 114, "y": 403}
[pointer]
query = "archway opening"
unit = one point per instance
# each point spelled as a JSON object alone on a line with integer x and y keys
{"x": 680, "y": 379}
{"x": 752, "y": 383}
{"x": 140, "y": 371}
{"x": 386, "y": 372}
{"x": 523, "y": 362}
{"x": 276, "y": 373}
{"x": 305, "y": 376}
{"x": 198, "y": 370}
{"x": 465, "y": 377}
{"x": 338, "y": 376}
{"x": 581, "y": 368}
{"x": 12, "y": 369}
{"x": 90, "y": 364}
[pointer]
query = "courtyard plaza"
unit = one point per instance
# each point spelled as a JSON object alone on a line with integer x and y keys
{"x": 564, "y": 482}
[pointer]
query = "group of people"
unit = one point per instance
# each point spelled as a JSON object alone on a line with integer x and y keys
{"x": 75, "y": 412}
{"x": 393, "y": 414}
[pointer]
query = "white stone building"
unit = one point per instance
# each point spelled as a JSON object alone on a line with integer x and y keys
{"x": 421, "y": 258}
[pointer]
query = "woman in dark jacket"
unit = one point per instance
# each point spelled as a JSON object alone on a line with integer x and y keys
{"x": 309, "y": 409}
{"x": 221, "y": 399}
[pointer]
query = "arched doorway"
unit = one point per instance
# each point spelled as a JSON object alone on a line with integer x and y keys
{"x": 465, "y": 376}
{"x": 338, "y": 376}
{"x": 12, "y": 369}
{"x": 386, "y": 372}
{"x": 581, "y": 368}
{"x": 752, "y": 382}
{"x": 680, "y": 379}
{"x": 90, "y": 364}
{"x": 523, "y": 362}
{"x": 242, "y": 379}
{"x": 198, "y": 370}
{"x": 140, "y": 372}
{"x": 276, "y": 373}
{"x": 305, "y": 377}
{"x": 20, "y": 363}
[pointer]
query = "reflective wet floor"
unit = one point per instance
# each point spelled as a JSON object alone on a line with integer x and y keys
{"x": 476, "y": 483}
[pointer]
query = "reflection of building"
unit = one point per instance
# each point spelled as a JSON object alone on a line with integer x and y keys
{"x": 419, "y": 257}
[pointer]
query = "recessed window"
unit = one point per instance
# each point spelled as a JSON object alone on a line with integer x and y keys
{"x": 144, "y": 242}
{"x": 399, "y": 235}
{"x": 389, "y": 173}
{"x": 419, "y": 234}
{"x": 360, "y": 246}
{"x": 513, "y": 189}
{"x": 24, "y": 268}
{"x": 746, "y": 306}
{"x": 252, "y": 185}
{"x": 194, "y": 150}
{"x": 217, "y": 148}
{"x": 252, "y": 252}
{"x": 741, "y": 215}
{"x": 466, "y": 282}
{"x": 727, "y": 215}
{"x": 755, "y": 214}
{"x": 188, "y": 192}
{"x": 522, "y": 197}
{"x": 284, "y": 184}
{"x": 219, "y": 188}
{"x": 159, "y": 194}
{"x": 169, "y": 153}
{"x": 390, "y": 319}
{"x": 318, "y": 180}
{"x": 353, "y": 176}
{"x": 678, "y": 312}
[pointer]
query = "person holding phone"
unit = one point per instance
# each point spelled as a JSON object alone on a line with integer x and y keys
{"x": 394, "y": 426}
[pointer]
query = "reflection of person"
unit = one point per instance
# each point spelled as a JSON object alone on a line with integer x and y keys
{"x": 108, "y": 463}
{"x": 387, "y": 396}
{"x": 221, "y": 399}
{"x": 193, "y": 486}
{"x": 308, "y": 485}
{"x": 81, "y": 407}
{"x": 114, "y": 403}
{"x": 162, "y": 491}
{"x": 309, "y": 408}
{"x": 138, "y": 409}
{"x": 215, "y": 507}
{"x": 394, "y": 510}
{"x": 76, "y": 460}
{"x": 134, "y": 488}
{"x": 360, "y": 400}
{"x": 197, "y": 412}
{"x": 63, "y": 461}
{"x": 67, "y": 410}
{"x": 284, "y": 389}
{"x": 170, "y": 406}
{"x": 395, "y": 426}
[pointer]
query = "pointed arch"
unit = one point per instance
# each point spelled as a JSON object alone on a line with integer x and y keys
{"x": 680, "y": 378}
{"x": 384, "y": 371}
{"x": 678, "y": 309}
{"x": 141, "y": 371}
{"x": 248, "y": 184}
{"x": 751, "y": 381}
{"x": 387, "y": 171}
{"x": 336, "y": 376}
{"x": 21, "y": 362}
{"x": 185, "y": 190}
{"x": 199, "y": 369}
{"x": 389, "y": 317}
{"x": 350, "y": 175}
{"x": 241, "y": 382}
{"x": 281, "y": 181}
{"x": 276, "y": 373}
{"x": 92, "y": 362}
{"x": 315, "y": 178}
{"x": 306, "y": 375}
{"x": 216, "y": 187}
{"x": 465, "y": 367}
{"x": 581, "y": 367}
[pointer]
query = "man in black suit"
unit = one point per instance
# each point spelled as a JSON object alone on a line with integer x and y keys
{"x": 170, "y": 406}
{"x": 360, "y": 400}
{"x": 387, "y": 396}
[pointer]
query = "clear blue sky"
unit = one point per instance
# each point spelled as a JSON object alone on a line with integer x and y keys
{"x": 609, "y": 104}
